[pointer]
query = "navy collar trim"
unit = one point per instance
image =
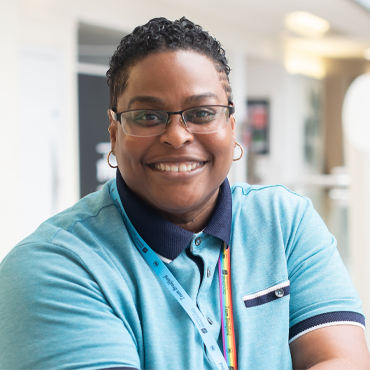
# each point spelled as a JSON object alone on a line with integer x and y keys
{"x": 164, "y": 237}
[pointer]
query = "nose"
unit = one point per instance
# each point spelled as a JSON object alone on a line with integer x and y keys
{"x": 176, "y": 134}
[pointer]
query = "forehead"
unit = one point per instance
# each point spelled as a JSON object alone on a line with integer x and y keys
{"x": 173, "y": 77}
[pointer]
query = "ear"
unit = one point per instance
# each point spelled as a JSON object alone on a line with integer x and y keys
{"x": 232, "y": 121}
{"x": 113, "y": 129}
{"x": 233, "y": 125}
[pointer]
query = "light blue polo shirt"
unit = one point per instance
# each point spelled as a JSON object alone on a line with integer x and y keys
{"x": 77, "y": 294}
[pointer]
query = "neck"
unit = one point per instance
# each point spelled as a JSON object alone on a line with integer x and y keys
{"x": 194, "y": 221}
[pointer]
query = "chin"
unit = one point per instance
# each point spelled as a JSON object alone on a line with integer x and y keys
{"x": 178, "y": 202}
{"x": 176, "y": 206}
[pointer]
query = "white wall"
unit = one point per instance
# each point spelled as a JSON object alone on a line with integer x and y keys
{"x": 356, "y": 119}
{"x": 288, "y": 95}
{"x": 358, "y": 162}
{"x": 41, "y": 135}
{"x": 10, "y": 186}
{"x": 38, "y": 122}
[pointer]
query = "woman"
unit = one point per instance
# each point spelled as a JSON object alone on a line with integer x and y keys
{"x": 136, "y": 276}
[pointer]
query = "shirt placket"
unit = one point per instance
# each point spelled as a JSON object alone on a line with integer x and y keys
{"x": 208, "y": 298}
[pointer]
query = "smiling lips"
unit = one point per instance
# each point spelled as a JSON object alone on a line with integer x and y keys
{"x": 177, "y": 167}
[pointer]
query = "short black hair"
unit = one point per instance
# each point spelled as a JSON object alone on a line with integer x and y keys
{"x": 160, "y": 35}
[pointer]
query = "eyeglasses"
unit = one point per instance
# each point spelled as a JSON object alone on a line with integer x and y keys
{"x": 151, "y": 122}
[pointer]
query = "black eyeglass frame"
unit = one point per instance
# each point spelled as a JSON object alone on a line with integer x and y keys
{"x": 117, "y": 116}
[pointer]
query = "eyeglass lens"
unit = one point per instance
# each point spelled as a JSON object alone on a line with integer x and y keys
{"x": 147, "y": 122}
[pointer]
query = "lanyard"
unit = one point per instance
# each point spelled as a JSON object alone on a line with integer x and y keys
{"x": 227, "y": 317}
{"x": 170, "y": 282}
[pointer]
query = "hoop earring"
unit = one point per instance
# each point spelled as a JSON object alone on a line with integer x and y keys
{"x": 241, "y": 151}
{"x": 108, "y": 159}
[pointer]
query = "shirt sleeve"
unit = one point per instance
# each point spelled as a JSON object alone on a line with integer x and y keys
{"x": 53, "y": 315}
{"x": 321, "y": 290}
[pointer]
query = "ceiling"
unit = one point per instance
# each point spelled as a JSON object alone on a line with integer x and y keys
{"x": 349, "y": 34}
{"x": 254, "y": 26}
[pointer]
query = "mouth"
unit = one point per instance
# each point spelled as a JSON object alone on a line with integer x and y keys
{"x": 177, "y": 167}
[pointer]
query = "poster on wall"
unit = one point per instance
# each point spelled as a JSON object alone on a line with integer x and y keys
{"x": 258, "y": 126}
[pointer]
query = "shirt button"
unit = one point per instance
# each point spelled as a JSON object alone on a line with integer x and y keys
{"x": 198, "y": 241}
{"x": 209, "y": 320}
{"x": 208, "y": 273}
{"x": 279, "y": 293}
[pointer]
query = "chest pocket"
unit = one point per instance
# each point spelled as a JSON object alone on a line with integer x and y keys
{"x": 267, "y": 295}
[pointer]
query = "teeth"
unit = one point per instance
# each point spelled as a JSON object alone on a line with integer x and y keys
{"x": 175, "y": 168}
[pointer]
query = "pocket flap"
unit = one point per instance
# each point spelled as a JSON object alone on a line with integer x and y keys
{"x": 267, "y": 295}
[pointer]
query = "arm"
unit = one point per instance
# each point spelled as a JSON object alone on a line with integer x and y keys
{"x": 333, "y": 347}
{"x": 327, "y": 324}
{"x": 54, "y": 315}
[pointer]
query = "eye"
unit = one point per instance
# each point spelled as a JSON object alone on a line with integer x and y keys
{"x": 148, "y": 118}
{"x": 201, "y": 115}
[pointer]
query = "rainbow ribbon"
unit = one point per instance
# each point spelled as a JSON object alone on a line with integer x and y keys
{"x": 227, "y": 318}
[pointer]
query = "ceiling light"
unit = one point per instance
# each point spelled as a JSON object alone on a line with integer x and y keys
{"x": 367, "y": 54}
{"x": 307, "y": 65}
{"x": 306, "y": 24}
{"x": 327, "y": 47}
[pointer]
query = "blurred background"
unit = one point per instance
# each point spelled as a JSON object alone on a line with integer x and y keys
{"x": 301, "y": 83}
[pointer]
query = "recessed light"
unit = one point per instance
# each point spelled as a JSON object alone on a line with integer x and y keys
{"x": 306, "y": 24}
{"x": 307, "y": 65}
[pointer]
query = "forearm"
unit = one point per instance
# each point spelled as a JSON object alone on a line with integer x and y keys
{"x": 338, "y": 347}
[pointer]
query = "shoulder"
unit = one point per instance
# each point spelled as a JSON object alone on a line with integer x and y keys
{"x": 69, "y": 249}
{"x": 268, "y": 203}
{"x": 286, "y": 218}
{"x": 242, "y": 192}
{"x": 65, "y": 276}
{"x": 84, "y": 211}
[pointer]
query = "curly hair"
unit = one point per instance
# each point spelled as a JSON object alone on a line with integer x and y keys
{"x": 160, "y": 35}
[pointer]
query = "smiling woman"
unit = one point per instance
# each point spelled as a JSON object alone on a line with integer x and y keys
{"x": 186, "y": 198}
{"x": 167, "y": 267}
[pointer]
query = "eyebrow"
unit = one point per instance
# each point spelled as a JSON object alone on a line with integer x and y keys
{"x": 200, "y": 97}
{"x": 145, "y": 99}
{"x": 154, "y": 100}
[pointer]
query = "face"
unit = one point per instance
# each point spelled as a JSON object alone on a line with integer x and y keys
{"x": 173, "y": 81}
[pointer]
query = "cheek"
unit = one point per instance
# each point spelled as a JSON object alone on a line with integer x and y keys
{"x": 131, "y": 151}
{"x": 221, "y": 144}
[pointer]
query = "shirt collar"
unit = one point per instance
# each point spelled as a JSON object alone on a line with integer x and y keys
{"x": 164, "y": 237}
